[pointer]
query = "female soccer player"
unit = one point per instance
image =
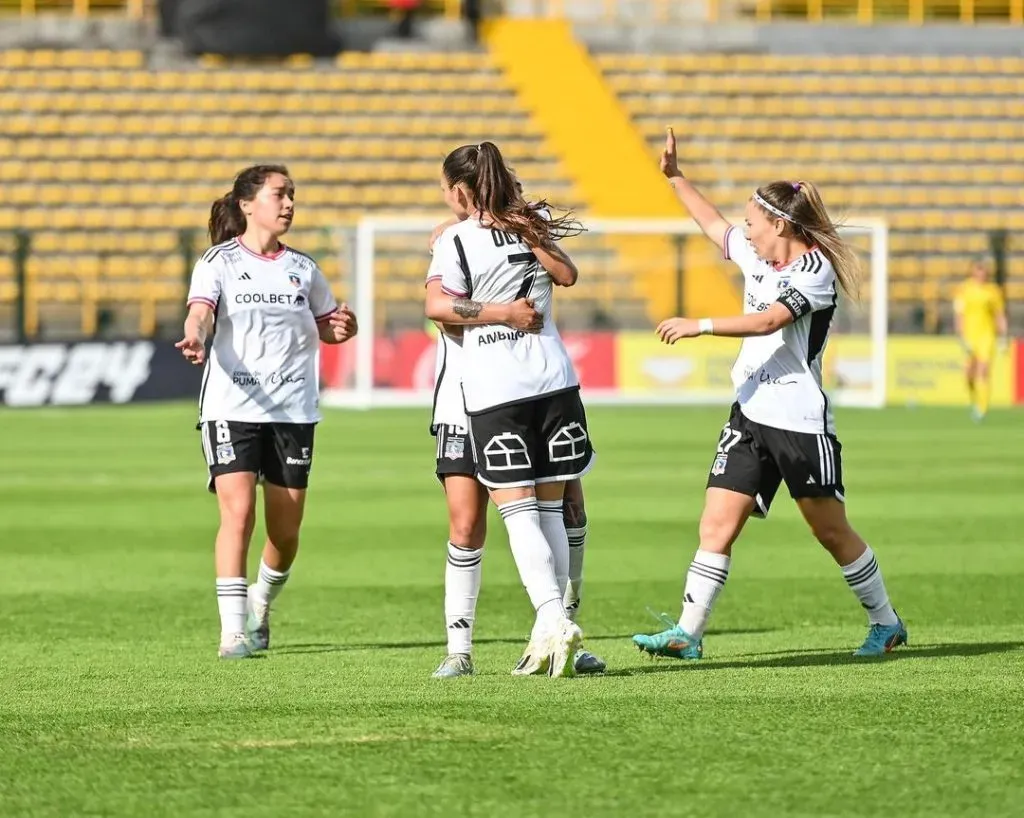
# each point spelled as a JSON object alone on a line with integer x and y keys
{"x": 527, "y": 424}
{"x": 467, "y": 497}
{"x": 266, "y": 307}
{"x": 980, "y": 316}
{"x": 781, "y": 425}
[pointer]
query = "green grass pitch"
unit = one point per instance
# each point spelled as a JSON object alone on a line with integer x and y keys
{"x": 113, "y": 703}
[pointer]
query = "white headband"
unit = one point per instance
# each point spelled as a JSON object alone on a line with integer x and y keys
{"x": 772, "y": 209}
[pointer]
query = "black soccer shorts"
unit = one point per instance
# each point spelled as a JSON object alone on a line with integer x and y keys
{"x": 754, "y": 459}
{"x": 454, "y": 453}
{"x": 544, "y": 440}
{"x": 280, "y": 453}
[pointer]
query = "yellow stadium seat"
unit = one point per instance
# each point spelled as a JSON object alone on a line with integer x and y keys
{"x": 93, "y": 144}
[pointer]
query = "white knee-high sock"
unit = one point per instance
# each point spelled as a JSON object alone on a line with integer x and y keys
{"x": 704, "y": 582}
{"x": 574, "y": 592}
{"x": 865, "y": 579}
{"x": 532, "y": 555}
{"x": 269, "y": 583}
{"x": 461, "y": 590}
{"x": 232, "y": 594}
{"x": 553, "y": 525}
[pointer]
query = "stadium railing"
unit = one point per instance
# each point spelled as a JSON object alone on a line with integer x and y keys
{"x": 142, "y": 8}
{"x": 861, "y": 12}
{"x": 79, "y": 8}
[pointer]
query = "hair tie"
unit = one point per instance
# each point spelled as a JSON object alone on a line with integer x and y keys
{"x": 796, "y": 186}
{"x": 772, "y": 209}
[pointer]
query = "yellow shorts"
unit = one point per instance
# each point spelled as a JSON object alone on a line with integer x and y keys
{"x": 981, "y": 347}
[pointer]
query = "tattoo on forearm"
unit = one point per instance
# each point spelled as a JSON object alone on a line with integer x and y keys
{"x": 466, "y": 307}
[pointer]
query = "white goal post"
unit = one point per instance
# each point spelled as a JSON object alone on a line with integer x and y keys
{"x": 631, "y": 369}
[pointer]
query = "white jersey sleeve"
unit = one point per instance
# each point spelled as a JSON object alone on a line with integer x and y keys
{"x": 321, "y": 299}
{"x": 447, "y": 265}
{"x": 206, "y": 285}
{"x": 809, "y": 290}
{"x": 736, "y": 248}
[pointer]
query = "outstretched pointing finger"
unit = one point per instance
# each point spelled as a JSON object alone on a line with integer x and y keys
{"x": 670, "y": 141}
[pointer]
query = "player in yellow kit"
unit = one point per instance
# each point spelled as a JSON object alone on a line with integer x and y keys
{"x": 980, "y": 315}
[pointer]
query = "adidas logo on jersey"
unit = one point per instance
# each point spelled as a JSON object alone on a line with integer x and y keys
{"x": 811, "y": 481}
{"x": 245, "y": 277}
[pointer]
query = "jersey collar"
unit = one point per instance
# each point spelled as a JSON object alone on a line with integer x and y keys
{"x": 264, "y": 257}
{"x": 780, "y": 267}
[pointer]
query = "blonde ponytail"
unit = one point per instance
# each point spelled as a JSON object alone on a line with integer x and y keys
{"x": 805, "y": 212}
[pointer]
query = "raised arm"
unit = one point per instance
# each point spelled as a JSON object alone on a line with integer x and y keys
{"x": 701, "y": 210}
{"x": 446, "y": 308}
{"x": 805, "y": 294}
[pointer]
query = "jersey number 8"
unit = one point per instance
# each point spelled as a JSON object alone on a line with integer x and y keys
{"x": 223, "y": 431}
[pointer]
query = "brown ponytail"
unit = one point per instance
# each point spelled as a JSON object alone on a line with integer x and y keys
{"x": 497, "y": 192}
{"x": 226, "y": 217}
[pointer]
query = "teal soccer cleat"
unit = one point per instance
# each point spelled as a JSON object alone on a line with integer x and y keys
{"x": 673, "y": 642}
{"x": 882, "y": 639}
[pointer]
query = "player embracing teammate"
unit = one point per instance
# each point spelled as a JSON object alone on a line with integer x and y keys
{"x": 527, "y": 425}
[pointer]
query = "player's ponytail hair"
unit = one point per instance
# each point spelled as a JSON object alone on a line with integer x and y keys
{"x": 226, "y": 217}
{"x": 498, "y": 194}
{"x": 799, "y": 204}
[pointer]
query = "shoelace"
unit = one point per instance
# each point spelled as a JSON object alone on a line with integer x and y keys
{"x": 663, "y": 618}
{"x": 877, "y": 632}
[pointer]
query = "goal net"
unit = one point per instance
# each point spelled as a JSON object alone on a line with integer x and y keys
{"x": 633, "y": 273}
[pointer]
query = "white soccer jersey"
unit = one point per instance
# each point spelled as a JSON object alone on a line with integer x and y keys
{"x": 449, "y": 407}
{"x": 263, "y": 359}
{"x": 778, "y": 376}
{"x": 501, "y": 365}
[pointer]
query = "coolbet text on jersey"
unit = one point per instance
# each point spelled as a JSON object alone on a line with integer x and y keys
{"x": 263, "y": 360}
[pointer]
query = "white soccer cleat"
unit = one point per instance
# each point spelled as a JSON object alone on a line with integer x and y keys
{"x": 536, "y": 659}
{"x": 257, "y": 623}
{"x": 235, "y": 647}
{"x": 455, "y": 665}
{"x": 564, "y": 644}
